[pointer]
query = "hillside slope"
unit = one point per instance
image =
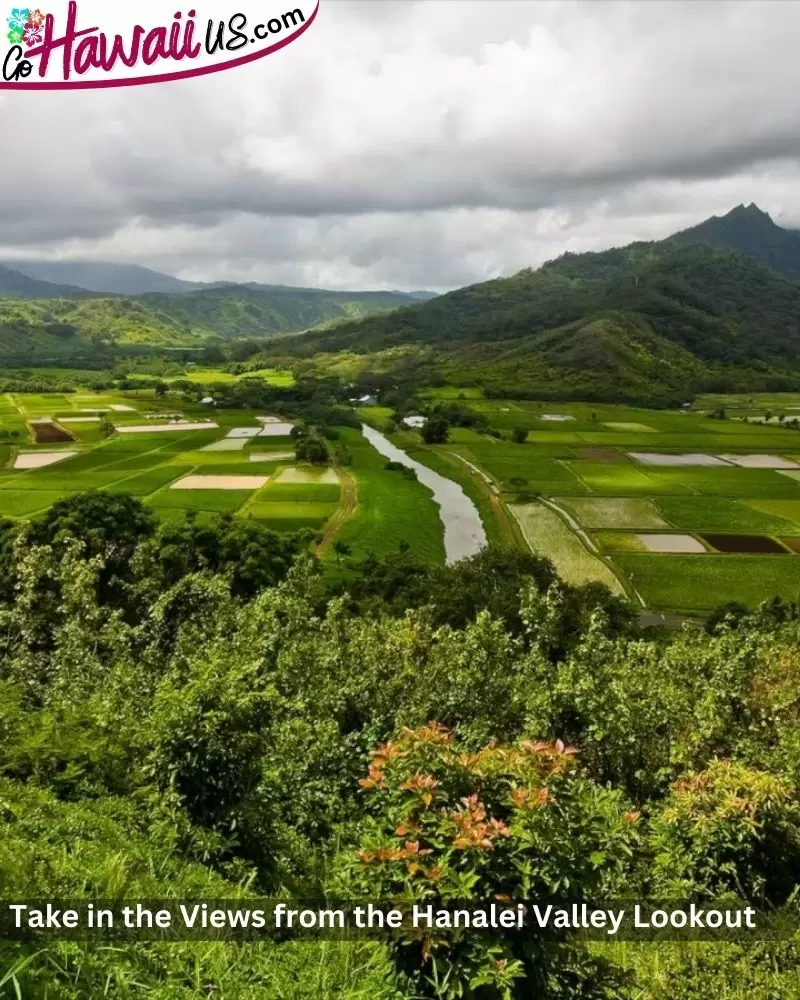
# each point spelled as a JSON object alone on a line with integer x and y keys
{"x": 265, "y": 310}
{"x": 654, "y": 314}
{"x": 53, "y": 327}
{"x": 754, "y": 234}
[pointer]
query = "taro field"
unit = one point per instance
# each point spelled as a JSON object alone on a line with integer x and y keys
{"x": 680, "y": 510}
{"x": 188, "y": 459}
{"x": 683, "y": 510}
{"x": 177, "y": 458}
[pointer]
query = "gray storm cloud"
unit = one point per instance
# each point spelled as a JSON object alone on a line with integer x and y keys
{"x": 420, "y": 144}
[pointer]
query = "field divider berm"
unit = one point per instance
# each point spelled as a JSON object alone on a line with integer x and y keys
{"x": 590, "y": 545}
{"x": 253, "y": 498}
{"x": 569, "y": 465}
{"x": 348, "y": 501}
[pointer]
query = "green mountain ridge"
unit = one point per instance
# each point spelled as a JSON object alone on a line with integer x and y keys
{"x": 753, "y": 232}
{"x": 265, "y": 310}
{"x": 649, "y": 320}
{"x": 650, "y": 317}
{"x": 51, "y": 327}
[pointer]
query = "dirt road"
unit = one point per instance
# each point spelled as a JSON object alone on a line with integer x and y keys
{"x": 348, "y": 504}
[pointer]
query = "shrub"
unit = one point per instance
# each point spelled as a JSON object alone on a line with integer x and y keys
{"x": 728, "y": 829}
{"x": 436, "y": 431}
{"x": 457, "y": 827}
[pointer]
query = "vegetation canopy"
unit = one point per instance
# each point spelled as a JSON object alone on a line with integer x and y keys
{"x": 198, "y": 713}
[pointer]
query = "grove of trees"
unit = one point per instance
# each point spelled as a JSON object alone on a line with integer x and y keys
{"x": 197, "y": 712}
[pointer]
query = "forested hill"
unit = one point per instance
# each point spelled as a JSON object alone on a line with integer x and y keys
{"x": 651, "y": 313}
{"x": 751, "y": 231}
{"x": 39, "y": 324}
{"x": 259, "y": 310}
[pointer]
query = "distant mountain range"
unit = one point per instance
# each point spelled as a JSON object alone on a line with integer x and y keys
{"x": 649, "y": 321}
{"x": 714, "y": 308}
{"x": 63, "y": 308}
{"x": 39, "y": 320}
{"x": 101, "y": 277}
{"x": 15, "y": 284}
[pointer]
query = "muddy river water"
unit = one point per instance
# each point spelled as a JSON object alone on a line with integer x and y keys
{"x": 463, "y": 531}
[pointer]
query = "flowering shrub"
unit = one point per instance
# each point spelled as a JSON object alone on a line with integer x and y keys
{"x": 728, "y": 829}
{"x": 504, "y": 823}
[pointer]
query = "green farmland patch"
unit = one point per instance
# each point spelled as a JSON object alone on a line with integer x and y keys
{"x": 290, "y": 517}
{"x": 548, "y": 535}
{"x": 733, "y": 482}
{"x": 553, "y": 437}
{"x": 621, "y": 479}
{"x": 309, "y": 476}
{"x": 619, "y": 541}
{"x": 231, "y": 468}
{"x": 279, "y": 443}
{"x": 279, "y": 492}
{"x": 86, "y": 433}
{"x": 52, "y": 480}
{"x": 310, "y": 514}
{"x": 24, "y": 503}
{"x": 218, "y": 459}
{"x": 703, "y": 582}
{"x": 710, "y": 513}
{"x": 615, "y": 512}
{"x": 782, "y": 510}
{"x": 507, "y": 462}
{"x": 220, "y": 501}
{"x": 148, "y": 482}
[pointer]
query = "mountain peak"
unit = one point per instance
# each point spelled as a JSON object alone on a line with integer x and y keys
{"x": 752, "y": 232}
{"x": 749, "y": 212}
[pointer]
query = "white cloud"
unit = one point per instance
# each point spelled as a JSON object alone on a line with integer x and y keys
{"x": 420, "y": 144}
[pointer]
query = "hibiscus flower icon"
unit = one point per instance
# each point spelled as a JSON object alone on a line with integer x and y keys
{"x": 15, "y": 36}
{"x": 36, "y": 18}
{"x": 33, "y": 34}
{"x": 20, "y": 16}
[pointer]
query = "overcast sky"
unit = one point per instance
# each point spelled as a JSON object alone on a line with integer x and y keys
{"x": 420, "y": 144}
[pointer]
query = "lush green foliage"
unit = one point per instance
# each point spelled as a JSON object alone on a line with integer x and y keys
{"x": 653, "y": 321}
{"x": 173, "y": 724}
{"x": 52, "y": 322}
{"x": 454, "y": 825}
{"x": 752, "y": 232}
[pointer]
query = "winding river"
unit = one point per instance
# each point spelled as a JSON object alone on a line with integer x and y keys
{"x": 463, "y": 530}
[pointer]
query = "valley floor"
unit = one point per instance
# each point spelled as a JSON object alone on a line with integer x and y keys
{"x": 682, "y": 511}
{"x": 679, "y": 510}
